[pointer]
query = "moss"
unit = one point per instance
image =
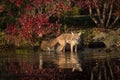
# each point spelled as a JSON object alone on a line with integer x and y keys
{"x": 3, "y": 38}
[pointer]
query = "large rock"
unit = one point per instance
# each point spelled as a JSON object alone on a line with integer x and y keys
{"x": 110, "y": 38}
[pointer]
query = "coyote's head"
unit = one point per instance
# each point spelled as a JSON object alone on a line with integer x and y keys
{"x": 76, "y": 37}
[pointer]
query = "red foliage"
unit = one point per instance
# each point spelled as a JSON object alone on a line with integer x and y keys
{"x": 86, "y": 3}
{"x": 60, "y": 6}
{"x": 36, "y": 24}
{"x": 43, "y": 2}
{"x": 96, "y": 3}
{"x": 11, "y": 32}
{"x": 1, "y": 8}
{"x": 28, "y": 7}
{"x": 18, "y": 3}
{"x": 44, "y": 26}
{"x": 26, "y": 22}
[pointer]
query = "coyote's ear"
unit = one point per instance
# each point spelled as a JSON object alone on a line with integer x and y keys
{"x": 79, "y": 33}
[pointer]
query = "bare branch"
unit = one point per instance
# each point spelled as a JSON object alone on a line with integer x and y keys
{"x": 110, "y": 13}
{"x": 90, "y": 12}
{"x": 104, "y": 12}
{"x": 99, "y": 14}
{"x": 114, "y": 21}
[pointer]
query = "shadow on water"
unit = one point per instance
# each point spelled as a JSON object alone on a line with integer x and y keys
{"x": 90, "y": 64}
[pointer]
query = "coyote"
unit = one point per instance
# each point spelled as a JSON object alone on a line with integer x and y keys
{"x": 62, "y": 41}
{"x": 72, "y": 39}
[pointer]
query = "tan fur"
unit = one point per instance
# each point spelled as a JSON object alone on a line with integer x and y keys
{"x": 48, "y": 45}
{"x": 62, "y": 40}
{"x": 72, "y": 39}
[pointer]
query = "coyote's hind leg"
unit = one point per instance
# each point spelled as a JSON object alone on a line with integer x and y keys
{"x": 61, "y": 46}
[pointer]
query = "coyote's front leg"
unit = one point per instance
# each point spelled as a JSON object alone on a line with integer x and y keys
{"x": 71, "y": 47}
{"x": 73, "y": 44}
{"x": 75, "y": 48}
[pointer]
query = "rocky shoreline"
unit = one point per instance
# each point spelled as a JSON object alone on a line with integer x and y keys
{"x": 91, "y": 38}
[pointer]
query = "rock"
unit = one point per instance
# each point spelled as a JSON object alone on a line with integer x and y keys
{"x": 100, "y": 36}
{"x": 109, "y": 38}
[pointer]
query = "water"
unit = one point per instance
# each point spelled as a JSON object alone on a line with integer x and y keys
{"x": 89, "y": 64}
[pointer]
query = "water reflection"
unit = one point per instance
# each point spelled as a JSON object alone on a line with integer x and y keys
{"x": 61, "y": 59}
{"x": 40, "y": 62}
{"x": 30, "y": 65}
{"x": 69, "y": 60}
